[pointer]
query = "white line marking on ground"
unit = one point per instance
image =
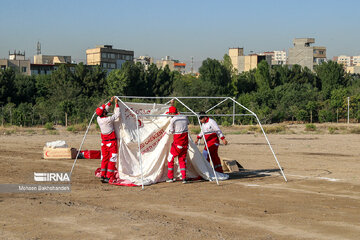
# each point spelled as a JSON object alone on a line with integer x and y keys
{"x": 319, "y": 178}
{"x": 252, "y": 185}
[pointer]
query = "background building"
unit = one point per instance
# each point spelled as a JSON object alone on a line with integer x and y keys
{"x": 351, "y": 63}
{"x": 107, "y": 57}
{"x": 51, "y": 59}
{"x": 245, "y": 63}
{"x": 306, "y": 55}
{"x": 144, "y": 60}
{"x": 279, "y": 58}
{"x": 17, "y": 62}
{"x": 234, "y": 54}
{"x": 174, "y": 65}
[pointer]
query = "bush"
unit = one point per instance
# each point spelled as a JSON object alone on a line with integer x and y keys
{"x": 225, "y": 123}
{"x": 310, "y": 127}
{"x": 332, "y": 130}
{"x": 77, "y": 127}
{"x": 355, "y": 130}
{"x": 49, "y": 126}
{"x": 326, "y": 116}
{"x": 275, "y": 129}
{"x": 254, "y": 129}
{"x": 301, "y": 115}
{"x": 53, "y": 132}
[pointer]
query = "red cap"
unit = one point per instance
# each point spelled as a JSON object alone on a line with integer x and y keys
{"x": 100, "y": 110}
{"x": 172, "y": 109}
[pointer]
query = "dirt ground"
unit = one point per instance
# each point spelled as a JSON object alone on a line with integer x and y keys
{"x": 321, "y": 199}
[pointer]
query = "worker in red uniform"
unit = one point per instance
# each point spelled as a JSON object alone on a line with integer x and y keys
{"x": 109, "y": 150}
{"x": 179, "y": 128}
{"x": 212, "y": 134}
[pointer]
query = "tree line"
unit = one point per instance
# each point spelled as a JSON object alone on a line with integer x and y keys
{"x": 274, "y": 93}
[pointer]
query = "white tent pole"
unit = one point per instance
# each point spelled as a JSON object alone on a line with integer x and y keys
{"x": 171, "y": 97}
{"x": 77, "y": 155}
{"x": 168, "y": 101}
{"x": 137, "y": 128}
{"x": 216, "y": 105}
{"x": 267, "y": 140}
{"x": 262, "y": 129}
{"x": 233, "y": 114}
{"x": 212, "y": 164}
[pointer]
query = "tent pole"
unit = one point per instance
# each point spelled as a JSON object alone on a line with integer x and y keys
{"x": 262, "y": 129}
{"x": 233, "y": 113}
{"x": 216, "y": 105}
{"x": 267, "y": 140}
{"x": 77, "y": 155}
{"x": 212, "y": 164}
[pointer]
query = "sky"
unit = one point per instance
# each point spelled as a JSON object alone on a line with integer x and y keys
{"x": 183, "y": 30}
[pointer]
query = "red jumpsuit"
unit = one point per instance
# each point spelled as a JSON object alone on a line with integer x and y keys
{"x": 179, "y": 128}
{"x": 109, "y": 150}
{"x": 212, "y": 133}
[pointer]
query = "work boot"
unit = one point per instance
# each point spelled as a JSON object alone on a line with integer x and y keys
{"x": 102, "y": 178}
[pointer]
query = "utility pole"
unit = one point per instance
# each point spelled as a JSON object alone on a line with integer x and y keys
{"x": 348, "y": 103}
{"x": 192, "y": 65}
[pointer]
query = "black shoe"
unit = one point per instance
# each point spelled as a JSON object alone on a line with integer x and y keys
{"x": 102, "y": 179}
{"x": 106, "y": 180}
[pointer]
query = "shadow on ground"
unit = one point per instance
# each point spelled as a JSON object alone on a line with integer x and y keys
{"x": 249, "y": 173}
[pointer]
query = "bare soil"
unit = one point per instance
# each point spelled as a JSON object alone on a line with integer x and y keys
{"x": 320, "y": 200}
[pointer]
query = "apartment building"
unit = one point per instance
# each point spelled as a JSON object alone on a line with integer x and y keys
{"x": 243, "y": 63}
{"x": 16, "y": 61}
{"x": 144, "y": 60}
{"x": 279, "y": 58}
{"x": 51, "y": 59}
{"x": 351, "y": 63}
{"x": 108, "y": 57}
{"x": 174, "y": 65}
{"x": 347, "y": 61}
{"x": 306, "y": 55}
{"x": 234, "y": 54}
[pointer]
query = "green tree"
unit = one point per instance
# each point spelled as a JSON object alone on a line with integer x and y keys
{"x": 332, "y": 76}
{"x": 262, "y": 76}
{"x": 311, "y": 106}
{"x": 337, "y": 100}
{"x": 25, "y": 89}
{"x": 7, "y": 87}
{"x": 215, "y": 77}
{"x": 163, "y": 83}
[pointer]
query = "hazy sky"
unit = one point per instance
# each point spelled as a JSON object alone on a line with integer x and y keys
{"x": 180, "y": 29}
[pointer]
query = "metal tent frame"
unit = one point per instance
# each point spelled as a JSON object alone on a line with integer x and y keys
{"x": 193, "y": 114}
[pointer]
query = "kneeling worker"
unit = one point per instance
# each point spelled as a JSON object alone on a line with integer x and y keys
{"x": 109, "y": 150}
{"x": 179, "y": 128}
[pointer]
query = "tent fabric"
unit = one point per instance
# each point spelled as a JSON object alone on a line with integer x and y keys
{"x": 155, "y": 142}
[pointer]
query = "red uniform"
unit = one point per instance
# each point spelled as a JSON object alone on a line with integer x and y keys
{"x": 109, "y": 150}
{"x": 212, "y": 133}
{"x": 179, "y": 128}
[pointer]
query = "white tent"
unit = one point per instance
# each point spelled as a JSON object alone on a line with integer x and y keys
{"x": 144, "y": 143}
